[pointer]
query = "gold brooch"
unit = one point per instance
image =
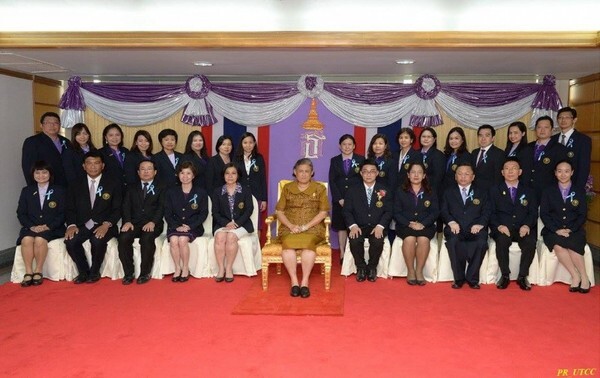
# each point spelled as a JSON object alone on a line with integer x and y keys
{"x": 255, "y": 169}
{"x": 476, "y": 201}
{"x": 379, "y": 204}
{"x": 106, "y": 196}
{"x": 406, "y": 166}
{"x": 454, "y": 167}
{"x": 356, "y": 169}
{"x": 241, "y": 205}
{"x": 52, "y": 204}
{"x": 546, "y": 160}
{"x": 570, "y": 154}
{"x": 575, "y": 202}
{"x": 194, "y": 206}
{"x": 382, "y": 174}
{"x": 524, "y": 202}
{"x": 427, "y": 203}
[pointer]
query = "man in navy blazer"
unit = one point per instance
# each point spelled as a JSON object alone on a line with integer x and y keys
{"x": 487, "y": 159}
{"x": 48, "y": 146}
{"x": 143, "y": 210}
{"x": 578, "y": 145}
{"x": 93, "y": 210}
{"x": 514, "y": 219}
{"x": 368, "y": 209}
{"x": 466, "y": 214}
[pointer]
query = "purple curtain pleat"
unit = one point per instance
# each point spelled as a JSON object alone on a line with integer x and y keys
{"x": 255, "y": 92}
{"x": 200, "y": 120}
{"x": 134, "y": 92}
{"x": 547, "y": 97}
{"x": 371, "y": 94}
{"x": 486, "y": 95}
{"x": 425, "y": 121}
{"x": 72, "y": 98}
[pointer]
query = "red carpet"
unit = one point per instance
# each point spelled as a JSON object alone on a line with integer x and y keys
{"x": 277, "y": 300}
{"x": 388, "y": 330}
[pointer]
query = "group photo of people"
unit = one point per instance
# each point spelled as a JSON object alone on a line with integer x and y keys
{"x": 427, "y": 189}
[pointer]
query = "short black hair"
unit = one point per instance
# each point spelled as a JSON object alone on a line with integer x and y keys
{"x": 93, "y": 154}
{"x": 544, "y": 118}
{"x": 567, "y": 109}
{"x": 369, "y": 162}
{"x": 486, "y": 126}
{"x": 166, "y": 132}
{"x": 49, "y": 114}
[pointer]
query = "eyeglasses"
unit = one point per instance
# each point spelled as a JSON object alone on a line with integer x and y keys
{"x": 565, "y": 117}
{"x": 371, "y": 172}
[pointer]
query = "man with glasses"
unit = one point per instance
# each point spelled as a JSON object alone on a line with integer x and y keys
{"x": 48, "y": 146}
{"x": 368, "y": 210}
{"x": 578, "y": 145}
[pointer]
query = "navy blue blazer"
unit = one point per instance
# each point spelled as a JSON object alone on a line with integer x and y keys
{"x": 41, "y": 147}
{"x": 139, "y": 210}
{"x": 579, "y": 151}
{"x": 242, "y": 209}
{"x": 412, "y": 156}
{"x": 339, "y": 182}
{"x": 524, "y": 211}
{"x": 52, "y": 214}
{"x": 489, "y": 171}
{"x": 425, "y": 211}
{"x": 256, "y": 180}
{"x": 112, "y": 167}
{"x": 214, "y": 173}
{"x": 107, "y": 205}
{"x": 388, "y": 174}
{"x": 539, "y": 174}
{"x": 201, "y": 165}
{"x": 476, "y": 210}
{"x": 517, "y": 150}
{"x": 557, "y": 214}
{"x": 450, "y": 168}
{"x": 131, "y": 165}
{"x": 181, "y": 209}
{"x": 167, "y": 173}
{"x": 73, "y": 164}
{"x": 357, "y": 211}
{"x": 435, "y": 168}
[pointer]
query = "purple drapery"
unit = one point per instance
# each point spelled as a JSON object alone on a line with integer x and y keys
{"x": 487, "y": 94}
{"x": 547, "y": 97}
{"x": 370, "y": 94}
{"x": 255, "y": 92}
{"x": 425, "y": 121}
{"x": 72, "y": 98}
{"x": 134, "y": 92}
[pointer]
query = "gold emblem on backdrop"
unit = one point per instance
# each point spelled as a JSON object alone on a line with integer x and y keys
{"x": 311, "y": 142}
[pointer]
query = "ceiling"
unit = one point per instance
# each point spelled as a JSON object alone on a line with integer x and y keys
{"x": 230, "y": 64}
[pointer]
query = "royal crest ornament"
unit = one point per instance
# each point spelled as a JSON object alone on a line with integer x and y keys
{"x": 454, "y": 167}
{"x": 382, "y": 174}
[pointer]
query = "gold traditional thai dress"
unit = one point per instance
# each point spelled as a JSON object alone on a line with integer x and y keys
{"x": 300, "y": 207}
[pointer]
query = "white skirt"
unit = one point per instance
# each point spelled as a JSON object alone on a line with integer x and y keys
{"x": 239, "y": 232}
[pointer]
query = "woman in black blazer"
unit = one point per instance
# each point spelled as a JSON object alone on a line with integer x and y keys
{"x": 81, "y": 141}
{"x": 114, "y": 152}
{"x": 216, "y": 164}
{"x": 379, "y": 150}
{"x": 231, "y": 210}
{"x": 415, "y": 211}
{"x": 516, "y": 138}
{"x": 167, "y": 160}
{"x": 186, "y": 208}
{"x": 252, "y": 169}
{"x": 41, "y": 212}
{"x": 195, "y": 151}
{"x": 456, "y": 154}
{"x": 407, "y": 155}
{"x": 563, "y": 210}
{"x": 434, "y": 160}
{"x": 141, "y": 149}
{"x": 343, "y": 173}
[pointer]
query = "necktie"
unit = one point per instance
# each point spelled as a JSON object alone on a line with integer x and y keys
{"x": 145, "y": 189}
{"x": 369, "y": 194}
{"x": 513, "y": 193}
{"x": 481, "y": 153}
{"x": 464, "y": 195}
{"x": 538, "y": 150}
{"x": 563, "y": 139}
{"x": 92, "y": 192}
{"x": 346, "y": 166}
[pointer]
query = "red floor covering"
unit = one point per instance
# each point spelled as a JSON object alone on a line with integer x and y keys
{"x": 388, "y": 329}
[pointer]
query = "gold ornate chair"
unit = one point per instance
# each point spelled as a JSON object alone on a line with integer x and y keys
{"x": 271, "y": 252}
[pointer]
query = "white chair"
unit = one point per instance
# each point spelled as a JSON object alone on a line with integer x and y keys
{"x": 445, "y": 268}
{"x": 54, "y": 266}
{"x": 397, "y": 267}
{"x": 106, "y": 268}
{"x": 248, "y": 259}
{"x": 199, "y": 260}
{"x": 514, "y": 257}
{"x": 552, "y": 271}
{"x": 115, "y": 267}
{"x": 349, "y": 267}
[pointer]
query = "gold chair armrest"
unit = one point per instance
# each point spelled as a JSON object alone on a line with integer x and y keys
{"x": 268, "y": 222}
{"x": 327, "y": 221}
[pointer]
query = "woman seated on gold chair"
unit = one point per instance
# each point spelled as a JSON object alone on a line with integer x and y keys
{"x": 302, "y": 206}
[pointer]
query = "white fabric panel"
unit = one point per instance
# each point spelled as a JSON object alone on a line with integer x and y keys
{"x": 473, "y": 117}
{"x": 71, "y": 117}
{"x": 514, "y": 258}
{"x": 537, "y": 113}
{"x": 398, "y": 264}
{"x": 54, "y": 266}
{"x": 551, "y": 270}
{"x": 349, "y": 267}
{"x": 445, "y": 268}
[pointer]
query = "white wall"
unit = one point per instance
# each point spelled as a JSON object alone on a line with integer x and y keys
{"x": 16, "y": 120}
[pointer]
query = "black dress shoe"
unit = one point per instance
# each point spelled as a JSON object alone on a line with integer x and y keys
{"x": 503, "y": 282}
{"x": 421, "y": 282}
{"x": 575, "y": 289}
{"x": 143, "y": 279}
{"x": 127, "y": 280}
{"x": 93, "y": 278}
{"x": 295, "y": 291}
{"x": 361, "y": 275}
{"x": 304, "y": 292}
{"x": 411, "y": 281}
{"x": 585, "y": 291}
{"x": 184, "y": 279}
{"x": 176, "y": 278}
{"x": 219, "y": 279}
{"x": 37, "y": 281}
{"x": 27, "y": 280}
{"x": 474, "y": 286}
{"x": 372, "y": 277}
{"x": 457, "y": 284}
{"x": 229, "y": 279}
{"x": 82, "y": 278}
{"x": 523, "y": 283}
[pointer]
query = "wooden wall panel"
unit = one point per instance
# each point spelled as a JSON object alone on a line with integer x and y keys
{"x": 593, "y": 233}
{"x": 594, "y": 210}
{"x": 595, "y": 149}
{"x": 586, "y": 117}
{"x": 46, "y": 96}
{"x": 582, "y": 93}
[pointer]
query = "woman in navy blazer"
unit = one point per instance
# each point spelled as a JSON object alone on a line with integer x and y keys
{"x": 81, "y": 141}
{"x": 186, "y": 208}
{"x": 516, "y": 139}
{"x": 41, "y": 212}
{"x": 231, "y": 210}
{"x": 343, "y": 173}
{"x": 415, "y": 211}
{"x": 434, "y": 160}
{"x": 406, "y": 155}
{"x": 563, "y": 210}
{"x": 224, "y": 155}
{"x": 167, "y": 160}
{"x": 195, "y": 151}
{"x": 456, "y": 154}
{"x": 379, "y": 149}
{"x": 252, "y": 169}
{"x": 114, "y": 152}
{"x": 141, "y": 149}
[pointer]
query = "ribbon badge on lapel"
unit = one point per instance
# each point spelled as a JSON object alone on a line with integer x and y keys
{"x": 99, "y": 193}
{"x": 452, "y": 163}
{"x": 381, "y": 172}
{"x": 425, "y": 161}
{"x": 194, "y": 202}
{"x": 484, "y": 158}
{"x": 123, "y": 156}
{"x": 570, "y": 143}
{"x": 380, "y": 195}
{"x": 151, "y": 190}
{"x": 470, "y": 196}
{"x": 541, "y": 155}
{"x": 51, "y": 204}
{"x": 523, "y": 200}
{"x": 253, "y": 165}
{"x": 176, "y": 161}
{"x": 63, "y": 146}
{"x": 406, "y": 157}
{"x": 420, "y": 195}
{"x": 355, "y": 166}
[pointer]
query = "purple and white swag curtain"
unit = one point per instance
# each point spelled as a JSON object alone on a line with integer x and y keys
{"x": 256, "y": 104}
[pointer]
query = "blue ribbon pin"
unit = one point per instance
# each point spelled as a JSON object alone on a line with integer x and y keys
{"x": 381, "y": 165}
{"x": 522, "y": 198}
{"x": 405, "y": 158}
{"x": 424, "y": 158}
{"x": 176, "y": 160}
{"x": 570, "y": 197}
{"x": 541, "y": 154}
{"x": 99, "y": 191}
{"x": 470, "y": 196}
{"x": 194, "y": 199}
{"x": 48, "y": 194}
{"x": 420, "y": 195}
{"x": 570, "y": 143}
{"x": 151, "y": 189}
{"x": 484, "y": 158}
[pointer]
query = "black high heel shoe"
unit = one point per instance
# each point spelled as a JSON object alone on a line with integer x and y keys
{"x": 585, "y": 291}
{"x": 575, "y": 289}
{"x": 176, "y": 278}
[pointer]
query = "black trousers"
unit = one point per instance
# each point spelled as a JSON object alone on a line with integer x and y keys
{"x": 527, "y": 245}
{"x": 466, "y": 248}
{"x": 77, "y": 253}
{"x": 357, "y": 247}
{"x": 147, "y": 249}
